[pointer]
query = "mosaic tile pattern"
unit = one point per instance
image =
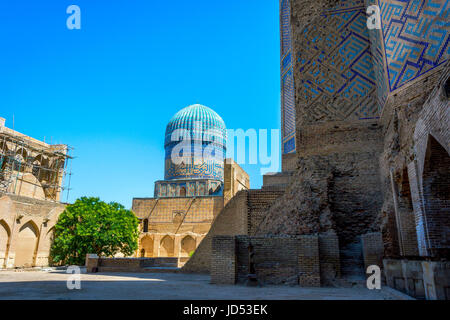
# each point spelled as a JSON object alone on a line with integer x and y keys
{"x": 287, "y": 80}
{"x": 188, "y": 188}
{"x": 205, "y": 169}
{"x": 416, "y": 38}
{"x": 336, "y": 66}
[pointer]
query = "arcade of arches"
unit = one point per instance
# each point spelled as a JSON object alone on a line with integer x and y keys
{"x": 157, "y": 245}
{"x": 26, "y": 230}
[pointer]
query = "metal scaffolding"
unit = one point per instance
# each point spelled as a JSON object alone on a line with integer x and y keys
{"x": 51, "y": 166}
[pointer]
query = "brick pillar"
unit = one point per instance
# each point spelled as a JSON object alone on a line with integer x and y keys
{"x": 308, "y": 261}
{"x": 330, "y": 264}
{"x": 156, "y": 241}
{"x": 223, "y": 260}
{"x": 373, "y": 249}
{"x": 417, "y": 200}
{"x": 177, "y": 246}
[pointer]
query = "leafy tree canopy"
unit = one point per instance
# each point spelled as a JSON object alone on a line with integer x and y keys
{"x": 93, "y": 226}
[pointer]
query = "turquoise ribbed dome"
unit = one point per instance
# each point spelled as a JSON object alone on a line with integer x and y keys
{"x": 203, "y": 127}
{"x": 187, "y": 118}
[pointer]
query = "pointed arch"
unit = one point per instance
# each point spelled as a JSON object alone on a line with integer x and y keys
{"x": 188, "y": 245}
{"x": 147, "y": 246}
{"x": 20, "y": 160}
{"x": 167, "y": 246}
{"x": 436, "y": 192}
{"x": 26, "y": 246}
{"x": 3, "y": 155}
{"x": 41, "y": 168}
{"x": 5, "y": 239}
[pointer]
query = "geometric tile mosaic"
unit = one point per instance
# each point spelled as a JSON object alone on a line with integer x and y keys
{"x": 287, "y": 80}
{"x": 336, "y": 66}
{"x": 416, "y": 38}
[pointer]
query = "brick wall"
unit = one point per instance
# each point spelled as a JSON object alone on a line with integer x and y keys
{"x": 280, "y": 260}
{"x": 240, "y": 216}
{"x": 373, "y": 249}
{"x": 235, "y": 180}
{"x": 223, "y": 257}
{"x": 130, "y": 264}
{"x": 258, "y": 202}
{"x": 330, "y": 263}
{"x": 289, "y": 162}
{"x": 308, "y": 261}
{"x": 21, "y": 214}
{"x": 172, "y": 222}
{"x": 232, "y": 220}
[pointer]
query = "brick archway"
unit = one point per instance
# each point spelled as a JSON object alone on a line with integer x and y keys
{"x": 147, "y": 247}
{"x": 167, "y": 247}
{"x": 188, "y": 245}
{"x": 5, "y": 238}
{"x": 436, "y": 193}
{"x": 27, "y": 241}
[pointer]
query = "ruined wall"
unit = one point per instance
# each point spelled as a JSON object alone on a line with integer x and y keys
{"x": 353, "y": 129}
{"x": 26, "y": 230}
{"x": 223, "y": 260}
{"x": 336, "y": 188}
{"x": 293, "y": 261}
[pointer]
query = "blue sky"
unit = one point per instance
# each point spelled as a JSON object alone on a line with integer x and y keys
{"x": 110, "y": 88}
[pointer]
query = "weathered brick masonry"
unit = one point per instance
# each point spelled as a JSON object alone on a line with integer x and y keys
{"x": 370, "y": 175}
{"x": 293, "y": 260}
{"x": 239, "y": 217}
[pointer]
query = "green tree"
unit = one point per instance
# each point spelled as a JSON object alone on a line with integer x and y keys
{"x": 93, "y": 226}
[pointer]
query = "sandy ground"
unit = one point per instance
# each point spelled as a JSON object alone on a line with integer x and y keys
{"x": 16, "y": 285}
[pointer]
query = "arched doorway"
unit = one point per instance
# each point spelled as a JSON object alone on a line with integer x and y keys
{"x": 147, "y": 247}
{"x": 183, "y": 192}
{"x": 5, "y": 234}
{"x": 26, "y": 245}
{"x": 166, "y": 248}
{"x": 436, "y": 191}
{"x": 188, "y": 245}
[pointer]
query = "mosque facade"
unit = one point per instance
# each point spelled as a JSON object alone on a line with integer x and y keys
{"x": 198, "y": 182}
